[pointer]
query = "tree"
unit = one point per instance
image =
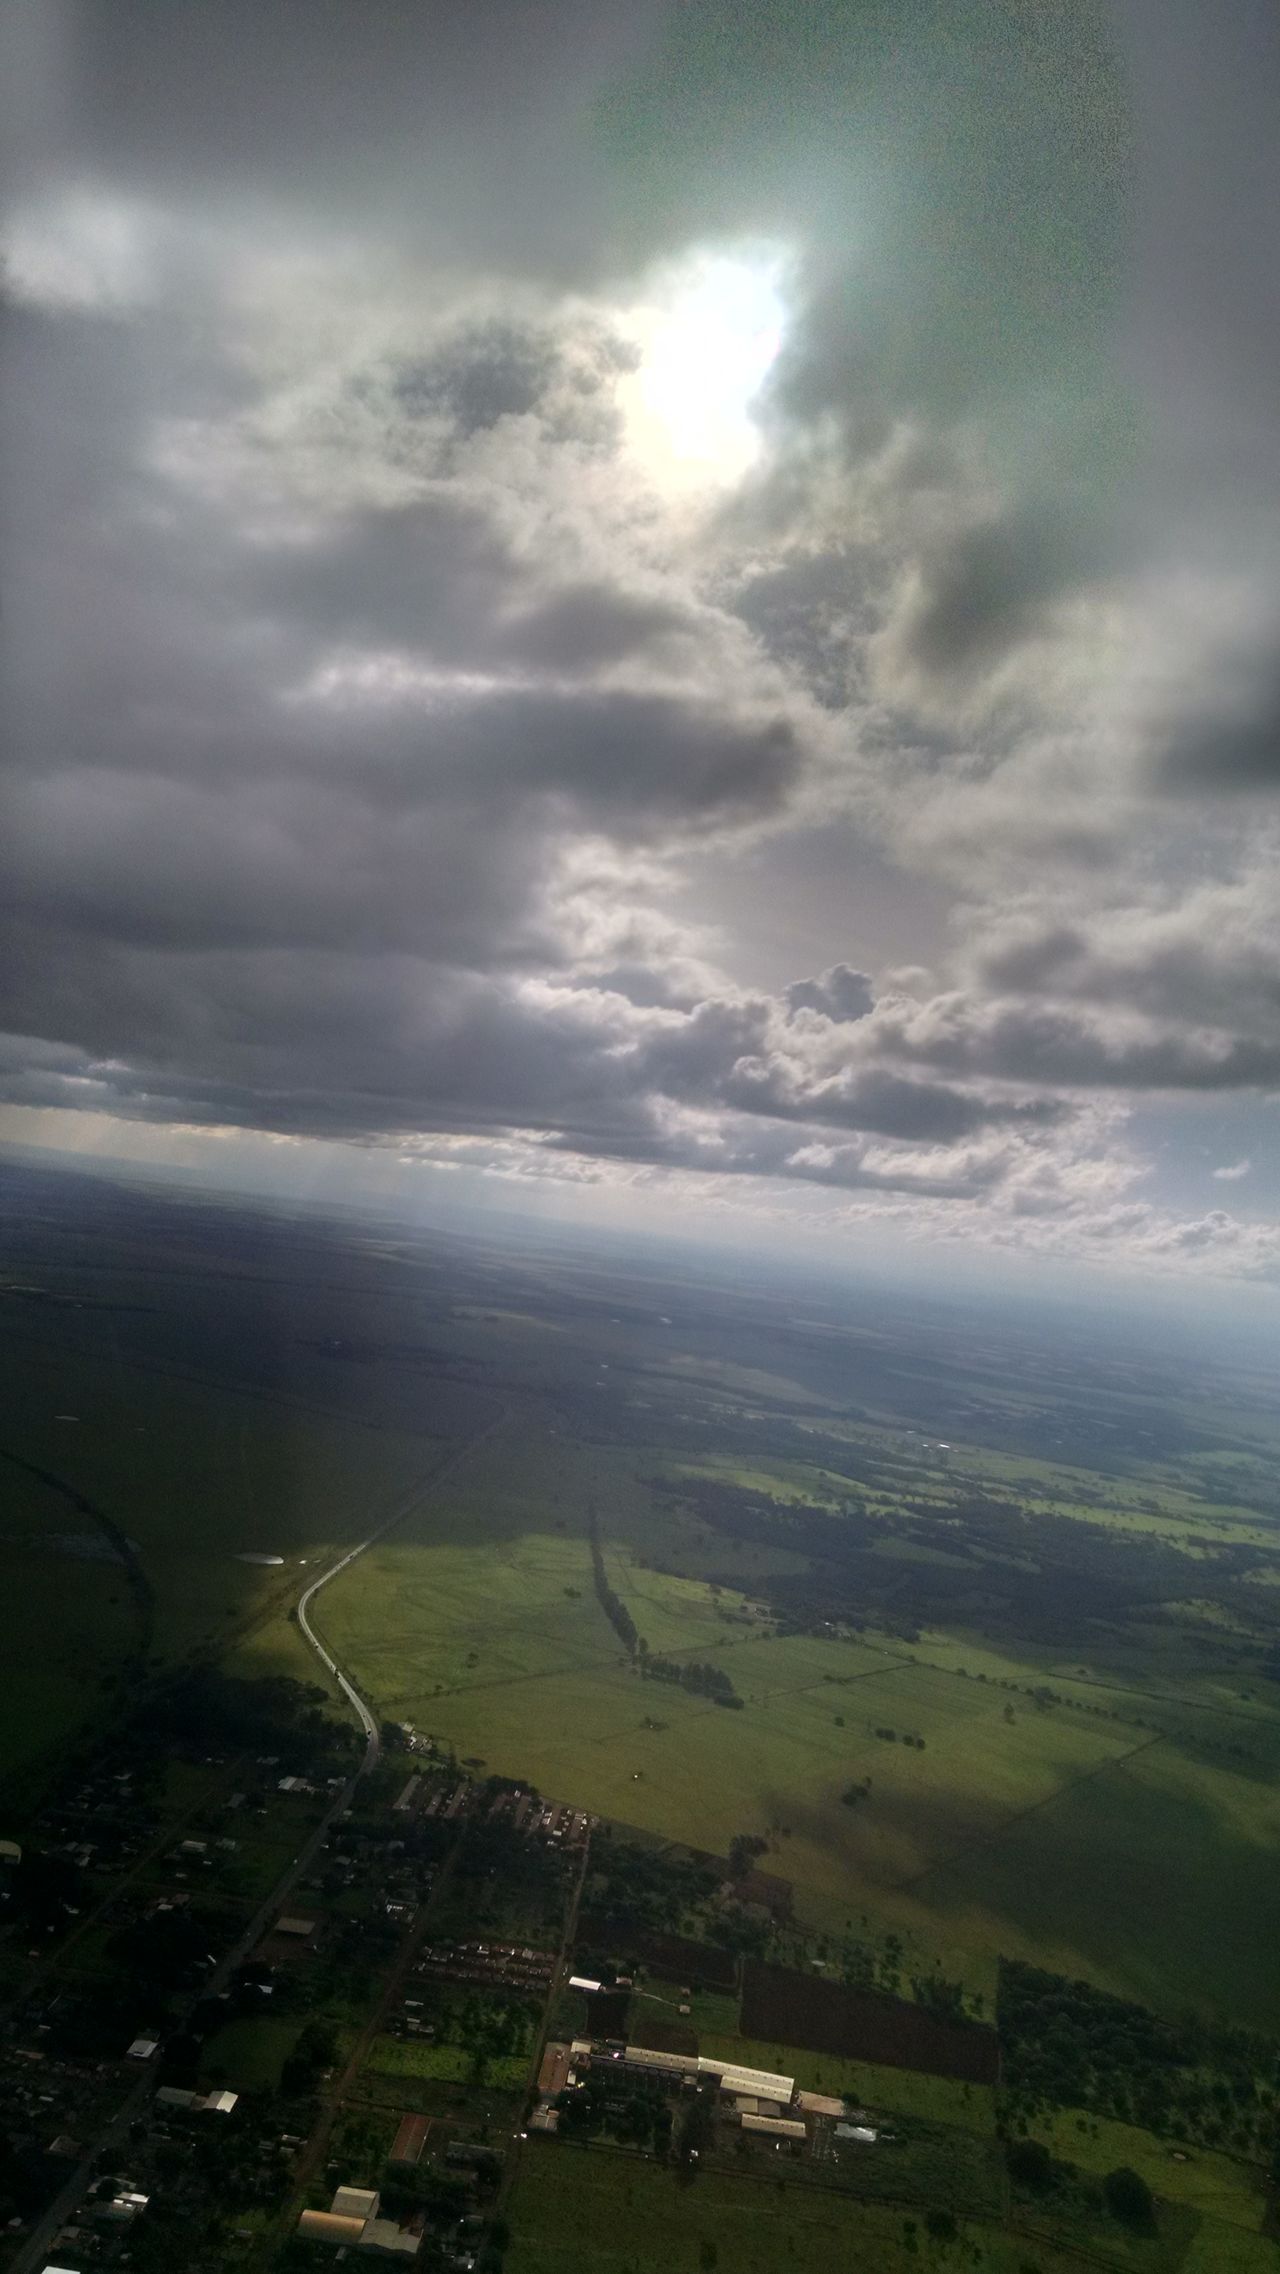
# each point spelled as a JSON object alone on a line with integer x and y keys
{"x": 1128, "y": 2197}
{"x": 1030, "y": 2164}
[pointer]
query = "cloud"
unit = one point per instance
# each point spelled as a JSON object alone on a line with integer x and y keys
{"x": 1056, "y": 1044}
{"x": 994, "y": 584}
{"x": 1235, "y": 749}
{"x": 401, "y": 754}
{"x": 839, "y": 994}
{"x": 1232, "y": 1173}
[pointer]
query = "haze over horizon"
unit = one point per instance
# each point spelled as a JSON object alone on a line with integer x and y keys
{"x": 669, "y": 612}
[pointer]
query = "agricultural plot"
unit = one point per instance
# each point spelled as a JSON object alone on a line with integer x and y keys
{"x": 587, "y": 2211}
{"x": 446, "y": 2064}
{"x": 801, "y": 2009}
{"x": 1166, "y": 1835}
{"x": 987, "y": 1837}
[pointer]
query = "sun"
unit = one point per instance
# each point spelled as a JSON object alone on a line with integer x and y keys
{"x": 706, "y": 336}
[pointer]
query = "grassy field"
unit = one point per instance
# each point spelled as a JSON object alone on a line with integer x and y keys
{"x": 1225, "y": 2190}
{"x": 205, "y": 1474}
{"x": 480, "y": 1624}
{"x": 577, "y": 2211}
{"x": 248, "y": 2055}
{"x": 271, "y": 1398}
{"x": 444, "y": 2064}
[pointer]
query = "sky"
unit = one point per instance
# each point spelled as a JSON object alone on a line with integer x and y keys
{"x": 669, "y": 609}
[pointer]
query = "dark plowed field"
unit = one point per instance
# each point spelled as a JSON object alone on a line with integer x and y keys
{"x": 823, "y": 2017}
{"x": 673, "y": 1956}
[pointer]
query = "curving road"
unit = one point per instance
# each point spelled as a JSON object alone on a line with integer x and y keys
{"x": 373, "y": 1744}
{"x": 412, "y": 1500}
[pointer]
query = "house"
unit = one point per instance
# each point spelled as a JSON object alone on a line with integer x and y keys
{"x": 411, "y": 2139}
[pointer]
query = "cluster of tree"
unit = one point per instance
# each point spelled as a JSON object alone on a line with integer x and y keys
{"x": 635, "y": 2110}
{"x": 705, "y": 1680}
{"x": 611, "y": 1603}
{"x": 316, "y": 2049}
{"x": 166, "y": 1953}
{"x": 1066, "y": 2044}
{"x": 490, "y": 2029}
{"x": 213, "y": 1711}
{"x": 1124, "y": 2192}
{"x": 644, "y": 1888}
{"x": 1056, "y": 1574}
{"x": 744, "y": 1848}
{"x": 937, "y": 1995}
{"x": 890, "y": 1737}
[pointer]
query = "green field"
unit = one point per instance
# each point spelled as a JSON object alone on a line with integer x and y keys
{"x": 248, "y": 2055}
{"x": 479, "y": 1623}
{"x": 576, "y": 2211}
{"x": 445, "y": 2064}
{"x": 993, "y": 1618}
{"x": 1224, "y": 2189}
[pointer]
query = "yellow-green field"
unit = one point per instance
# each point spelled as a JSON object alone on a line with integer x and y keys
{"x": 588, "y": 2211}
{"x": 1075, "y": 1837}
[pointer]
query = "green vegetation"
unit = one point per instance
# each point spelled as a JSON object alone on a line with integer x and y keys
{"x": 447, "y": 2064}
{"x": 996, "y": 1616}
{"x": 582, "y": 2211}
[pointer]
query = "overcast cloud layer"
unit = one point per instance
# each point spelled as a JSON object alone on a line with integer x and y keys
{"x": 681, "y": 592}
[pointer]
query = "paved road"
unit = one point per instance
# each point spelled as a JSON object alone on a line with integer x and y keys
{"x": 406, "y": 1507}
{"x": 373, "y": 1744}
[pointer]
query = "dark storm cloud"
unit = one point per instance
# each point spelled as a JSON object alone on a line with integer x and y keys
{"x": 490, "y": 372}
{"x": 365, "y": 696}
{"x": 1235, "y": 751}
{"x": 995, "y": 583}
{"x": 838, "y": 993}
{"x": 438, "y": 577}
{"x": 1059, "y": 1046}
{"x": 1213, "y": 958}
{"x": 462, "y": 130}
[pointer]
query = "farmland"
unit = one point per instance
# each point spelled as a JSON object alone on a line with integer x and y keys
{"x": 887, "y": 1650}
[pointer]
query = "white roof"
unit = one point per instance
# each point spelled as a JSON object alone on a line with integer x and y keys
{"x": 355, "y": 2203}
{"x": 764, "y": 2084}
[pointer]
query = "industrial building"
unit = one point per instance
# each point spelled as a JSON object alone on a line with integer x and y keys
{"x": 733, "y": 2080}
{"x": 353, "y": 2221}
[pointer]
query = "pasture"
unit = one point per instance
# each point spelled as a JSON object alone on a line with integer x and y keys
{"x": 478, "y": 1622}
{"x": 592, "y": 2211}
